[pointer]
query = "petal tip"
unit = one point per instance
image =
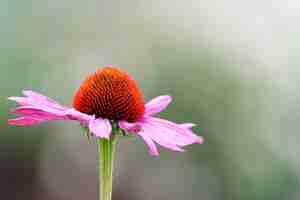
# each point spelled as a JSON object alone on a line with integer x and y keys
{"x": 179, "y": 149}
{"x": 22, "y": 121}
{"x": 188, "y": 125}
{"x": 11, "y": 122}
{"x": 12, "y": 98}
{"x": 157, "y": 104}
{"x": 167, "y": 98}
{"x": 200, "y": 140}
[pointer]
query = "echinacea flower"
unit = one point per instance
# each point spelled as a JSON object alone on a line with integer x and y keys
{"x": 107, "y": 102}
{"x": 109, "y": 95}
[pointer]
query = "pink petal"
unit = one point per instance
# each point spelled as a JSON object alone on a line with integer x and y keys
{"x": 44, "y": 114}
{"x": 38, "y": 98}
{"x": 157, "y": 104}
{"x": 185, "y": 133}
{"x": 151, "y": 145}
{"x": 39, "y": 111}
{"x": 130, "y": 127}
{"x": 33, "y": 115}
{"x": 188, "y": 130}
{"x": 156, "y": 135}
{"x": 25, "y": 121}
{"x": 100, "y": 127}
{"x": 34, "y": 99}
{"x": 24, "y": 101}
{"x": 38, "y": 108}
{"x": 73, "y": 114}
{"x": 187, "y": 125}
{"x": 172, "y": 134}
{"x": 165, "y": 133}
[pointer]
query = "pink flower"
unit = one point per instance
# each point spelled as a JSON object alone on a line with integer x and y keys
{"x": 117, "y": 99}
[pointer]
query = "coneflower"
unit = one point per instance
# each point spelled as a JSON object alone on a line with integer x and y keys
{"x": 108, "y": 103}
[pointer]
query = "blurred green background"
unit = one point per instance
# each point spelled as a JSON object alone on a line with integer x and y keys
{"x": 231, "y": 67}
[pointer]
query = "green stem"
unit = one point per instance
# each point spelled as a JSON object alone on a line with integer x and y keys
{"x": 106, "y": 157}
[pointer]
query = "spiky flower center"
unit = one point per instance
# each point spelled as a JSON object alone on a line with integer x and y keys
{"x": 112, "y": 94}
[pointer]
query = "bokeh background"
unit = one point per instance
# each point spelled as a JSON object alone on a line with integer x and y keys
{"x": 231, "y": 66}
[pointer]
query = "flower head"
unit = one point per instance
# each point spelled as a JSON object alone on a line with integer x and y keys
{"x": 110, "y": 94}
